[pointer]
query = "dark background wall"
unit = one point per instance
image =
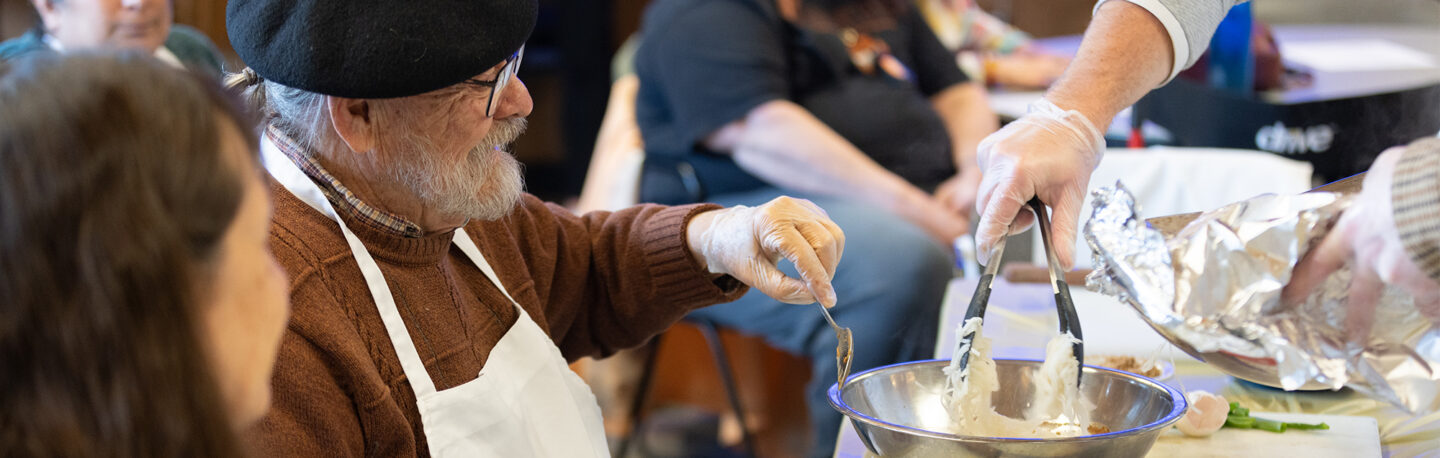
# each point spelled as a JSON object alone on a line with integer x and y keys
{"x": 567, "y": 69}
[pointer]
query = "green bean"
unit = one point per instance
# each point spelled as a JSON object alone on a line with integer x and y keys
{"x": 1235, "y": 409}
{"x": 1307, "y": 426}
{"x": 1269, "y": 425}
{"x": 1239, "y": 418}
{"x": 1242, "y": 422}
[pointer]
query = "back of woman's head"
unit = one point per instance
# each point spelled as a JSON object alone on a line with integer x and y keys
{"x": 114, "y": 194}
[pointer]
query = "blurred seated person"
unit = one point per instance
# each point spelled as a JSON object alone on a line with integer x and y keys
{"x": 853, "y": 104}
{"x": 143, "y": 25}
{"x": 143, "y": 310}
{"x": 986, "y": 45}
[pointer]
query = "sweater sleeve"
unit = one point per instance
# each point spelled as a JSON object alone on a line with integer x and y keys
{"x": 1190, "y": 24}
{"x": 1415, "y": 197}
{"x": 615, "y": 278}
{"x": 312, "y": 415}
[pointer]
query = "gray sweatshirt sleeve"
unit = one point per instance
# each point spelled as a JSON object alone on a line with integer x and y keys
{"x": 1190, "y": 24}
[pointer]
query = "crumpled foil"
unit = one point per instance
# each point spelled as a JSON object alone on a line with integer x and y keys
{"x": 1213, "y": 289}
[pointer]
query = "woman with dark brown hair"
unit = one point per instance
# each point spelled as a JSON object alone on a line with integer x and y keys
{"x": 140, "y": 308}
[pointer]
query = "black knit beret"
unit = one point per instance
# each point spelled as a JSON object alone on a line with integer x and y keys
{"x": 374, "y": 49}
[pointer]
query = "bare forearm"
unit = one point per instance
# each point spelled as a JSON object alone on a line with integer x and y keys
{"x": 784, "y": 144}
{"x": 968, "y": 119}
{"x": 1125, "y": 53}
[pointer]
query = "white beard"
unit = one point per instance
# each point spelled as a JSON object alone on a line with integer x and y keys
{"x": 486, "y": 186}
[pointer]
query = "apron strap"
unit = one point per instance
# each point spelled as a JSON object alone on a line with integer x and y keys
{"x": 468, "y": 247}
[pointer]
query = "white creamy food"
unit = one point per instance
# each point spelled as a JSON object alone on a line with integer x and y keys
{"x": 1058, "y": 408}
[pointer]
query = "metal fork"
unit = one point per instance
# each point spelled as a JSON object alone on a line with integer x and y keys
{"x": 844, "y": 347}
{"x": 1064, "y": 306}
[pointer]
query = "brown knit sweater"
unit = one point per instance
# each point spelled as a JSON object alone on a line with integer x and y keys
{"x": 596, "y": 283}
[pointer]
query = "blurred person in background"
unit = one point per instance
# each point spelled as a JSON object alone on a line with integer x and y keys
{"x": 1390, "y": 235}
{"x": 140, "y": 25}
{"x": 853, "y": 104}
{"x": 989, "y": 49}
{"x": 437, "y": 304}
{"x": 142, "y": 309}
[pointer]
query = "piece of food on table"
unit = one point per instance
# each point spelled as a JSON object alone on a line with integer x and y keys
{"x": 1239, "y": 417}
{"x": 1127, "y": 363}
{"x": 1207, "y": 413}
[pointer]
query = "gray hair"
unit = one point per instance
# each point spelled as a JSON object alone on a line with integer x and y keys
{"x": 299, "y": 113}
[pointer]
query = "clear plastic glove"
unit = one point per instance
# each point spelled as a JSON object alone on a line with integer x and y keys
{"x": 1365, "y": 238}
{"x": 1049, "y": 153}
{"x": 747, "y": 242}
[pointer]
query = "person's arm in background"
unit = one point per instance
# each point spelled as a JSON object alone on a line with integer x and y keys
{"x": 968, "y": 117}
{"x": 961, "y": 104}
{"x": 784, "y": 144}
{"x": 989, "y": 47}
{"x": 1129, "y": 48}
{"x": 612, "y": 181}
{"x": 721, "y": 69}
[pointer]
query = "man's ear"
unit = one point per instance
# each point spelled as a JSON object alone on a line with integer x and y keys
{"x": 352, "y": 122}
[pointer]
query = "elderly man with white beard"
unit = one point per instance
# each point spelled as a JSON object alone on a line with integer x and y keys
{"x": 435, "y": 304}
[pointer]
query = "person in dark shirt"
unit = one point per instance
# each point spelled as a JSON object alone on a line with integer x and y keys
{"x": 854, "y": 104}
{"x": 139, "y": 25}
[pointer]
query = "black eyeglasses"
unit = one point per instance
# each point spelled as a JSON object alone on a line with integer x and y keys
{"x": 497, "y": 85}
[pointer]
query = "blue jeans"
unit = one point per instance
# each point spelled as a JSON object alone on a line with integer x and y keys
{"x": 889, "y": 286}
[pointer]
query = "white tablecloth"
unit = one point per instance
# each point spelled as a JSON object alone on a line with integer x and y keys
{"x": 1169, "y": 181}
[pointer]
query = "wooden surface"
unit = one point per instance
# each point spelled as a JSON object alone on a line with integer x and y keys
{"x": 17, "y": 16}
{"x": 1043, "y": 18}
{"x": 771, "y": 385}
{"x": 209, "y": 17}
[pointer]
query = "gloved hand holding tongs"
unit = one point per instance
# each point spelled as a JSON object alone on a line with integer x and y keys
{"x": 1064, "y": 306}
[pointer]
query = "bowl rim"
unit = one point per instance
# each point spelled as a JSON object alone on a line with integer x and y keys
{"x": 1176, "y": 411}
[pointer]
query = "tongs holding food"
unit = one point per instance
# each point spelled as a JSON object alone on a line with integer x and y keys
{"x": 1064, "y": 306}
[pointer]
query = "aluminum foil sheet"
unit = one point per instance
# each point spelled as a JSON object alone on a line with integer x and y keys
{"x": 1213, "y": 289}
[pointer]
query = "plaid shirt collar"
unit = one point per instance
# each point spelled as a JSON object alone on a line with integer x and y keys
{"x": 340, "y": 196}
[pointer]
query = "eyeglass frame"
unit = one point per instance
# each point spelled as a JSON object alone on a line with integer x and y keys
{"x": 510, "y": 68}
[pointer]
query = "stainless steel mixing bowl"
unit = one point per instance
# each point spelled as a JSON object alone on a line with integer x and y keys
{"x": 897, "y": 410}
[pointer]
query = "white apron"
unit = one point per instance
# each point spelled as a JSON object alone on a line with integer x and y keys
{"x": 525, "y": 402}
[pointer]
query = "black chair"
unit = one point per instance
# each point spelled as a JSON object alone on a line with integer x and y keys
{"x": 727, "y": 376}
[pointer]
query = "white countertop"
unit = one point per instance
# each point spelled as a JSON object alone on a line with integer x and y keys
{"x": 1326, "y": 85}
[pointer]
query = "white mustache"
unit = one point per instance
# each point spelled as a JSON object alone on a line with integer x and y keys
{"x": 502, "y": 133}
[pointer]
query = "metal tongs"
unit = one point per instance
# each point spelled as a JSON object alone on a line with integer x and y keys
{"x": 1064, "y": 306}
